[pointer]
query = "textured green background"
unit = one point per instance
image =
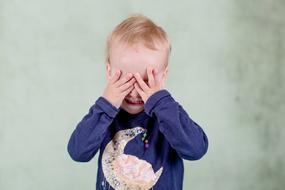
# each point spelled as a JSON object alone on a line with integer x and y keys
{"x": 227, "y": 69}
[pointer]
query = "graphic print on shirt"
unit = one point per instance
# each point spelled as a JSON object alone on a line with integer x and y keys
{"x": 124, "y": 171}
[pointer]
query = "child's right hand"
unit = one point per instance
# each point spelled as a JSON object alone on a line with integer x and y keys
{"x": 118, "y": 87}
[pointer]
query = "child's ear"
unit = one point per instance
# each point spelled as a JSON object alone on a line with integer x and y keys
{"x": 108, "y": 71}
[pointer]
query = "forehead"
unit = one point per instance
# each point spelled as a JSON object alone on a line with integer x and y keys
{"x": 136, "y": 58}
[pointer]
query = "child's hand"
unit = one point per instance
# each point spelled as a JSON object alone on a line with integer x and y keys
{"x": 118, "y": 87}
{"x": 153, "y": 86}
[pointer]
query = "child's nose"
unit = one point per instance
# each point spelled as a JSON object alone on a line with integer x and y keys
{"x": 134, "y": 93}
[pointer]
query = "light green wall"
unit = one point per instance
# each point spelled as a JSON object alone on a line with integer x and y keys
{"x": 227, "y": 69}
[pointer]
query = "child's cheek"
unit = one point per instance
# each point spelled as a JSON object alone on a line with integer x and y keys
{"x": 159, "y": 76}
{"x": 113, "y": 71}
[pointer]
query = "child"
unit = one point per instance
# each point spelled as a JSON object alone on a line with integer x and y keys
{"x": 142, "y": 132}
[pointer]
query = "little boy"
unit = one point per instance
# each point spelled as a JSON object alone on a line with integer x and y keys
{"x": 141, "y": 131}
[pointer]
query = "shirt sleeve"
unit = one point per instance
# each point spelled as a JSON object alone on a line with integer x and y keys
{"x": 183, "y": 134}
{"x": 89, "y": 133}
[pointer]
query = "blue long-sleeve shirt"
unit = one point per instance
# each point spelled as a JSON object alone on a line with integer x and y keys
{"x": 125, "y": 161}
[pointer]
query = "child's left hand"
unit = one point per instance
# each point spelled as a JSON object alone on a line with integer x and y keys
{"x": 154, "y": 84}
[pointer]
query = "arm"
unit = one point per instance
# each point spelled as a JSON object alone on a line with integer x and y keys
{"x": 182, "y": 133}
{"x": 90, "y": 131}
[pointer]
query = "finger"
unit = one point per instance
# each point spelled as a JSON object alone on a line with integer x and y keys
{"x": 124, "y": 79}
{"x": 140, "y": 91}
{"x": 116, "y": 76}
{"x": 128, "y": 90}
{"x": 150, "y": 76}
{"x": 127, "y": 84}
{"x": 156, "y": 77}
{"x": 140, "y": 81}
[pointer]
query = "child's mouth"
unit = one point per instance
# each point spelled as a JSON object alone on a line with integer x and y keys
{"x": 135, "y": 103}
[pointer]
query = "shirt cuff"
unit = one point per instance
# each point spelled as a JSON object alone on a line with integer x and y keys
{"x": 107, "y": 107}
{"x": 153, "y": 100}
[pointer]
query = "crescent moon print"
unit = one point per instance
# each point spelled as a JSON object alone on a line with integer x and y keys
{"x": 127, "y": 172}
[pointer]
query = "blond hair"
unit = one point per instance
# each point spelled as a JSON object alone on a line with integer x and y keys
{"x": 138, "y": 28}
